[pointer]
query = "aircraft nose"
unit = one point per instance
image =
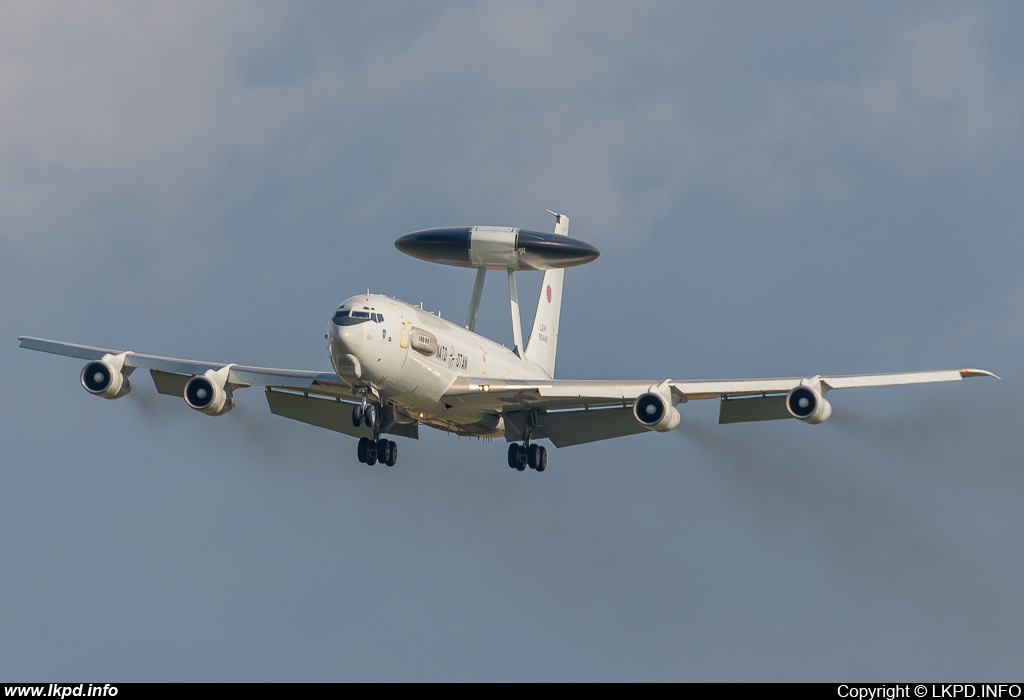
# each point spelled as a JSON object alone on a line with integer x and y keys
{"x": 349, "y": 337}
{"x": 352, "y": 336}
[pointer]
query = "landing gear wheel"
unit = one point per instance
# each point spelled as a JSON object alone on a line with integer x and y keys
{"x": 521, "y": 458}
{"x": 357, "y": 415}
{"x": 542, "y": 462}
{"x": 513, "y": 455}
{"x": 533, "y": 455}
{"x": 371, "y": 454}
{"x": 370, "y": 416}
{"x": 363, "y": 449}
{"x": 392, "y": 454}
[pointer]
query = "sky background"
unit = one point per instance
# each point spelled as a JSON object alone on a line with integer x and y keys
{"x": 777, "y": 189}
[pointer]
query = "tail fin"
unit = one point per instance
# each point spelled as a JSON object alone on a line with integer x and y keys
{"x": 540, "y": 348}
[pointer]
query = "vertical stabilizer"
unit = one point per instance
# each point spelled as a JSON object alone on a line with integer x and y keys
{"x": 540, "y": 348}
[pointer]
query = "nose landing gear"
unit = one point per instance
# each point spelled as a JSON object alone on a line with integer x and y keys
{"x": 364, "y": 414}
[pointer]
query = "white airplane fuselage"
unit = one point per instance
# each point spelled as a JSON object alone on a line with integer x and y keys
{"x": 411, "y": 357}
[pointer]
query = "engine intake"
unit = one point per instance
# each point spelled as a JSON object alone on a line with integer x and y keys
{"x": 105, "y": 380}
{"x": 653, "y": 411}
{"x": 806, "y": 403}
{"x": 208, "y": 397}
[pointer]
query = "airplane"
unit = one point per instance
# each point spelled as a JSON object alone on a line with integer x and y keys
{"x": 397, "y": 367}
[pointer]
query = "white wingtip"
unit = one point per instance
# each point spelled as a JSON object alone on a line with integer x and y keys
{"x": 977, "y": 373}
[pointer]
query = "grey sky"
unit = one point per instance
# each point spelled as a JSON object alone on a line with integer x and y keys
{"x": 777, "y": 189}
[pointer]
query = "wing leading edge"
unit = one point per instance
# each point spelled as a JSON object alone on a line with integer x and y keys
{"x": 238, "y": 375}
{"x": 566, "y": 412}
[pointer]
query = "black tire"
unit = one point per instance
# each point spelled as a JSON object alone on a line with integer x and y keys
{"x": 363, "y": 449}
{"x": 542, "y": 463}
{"x": 371, "y": 454}
{"x": 533, "y": 453}
{"x": 370, "y": 416}
{"x": 513, "y": 455}
{"x": 382, "y": 450}
{"x": 357, "y": 415}
{"x": 392, "y": 457}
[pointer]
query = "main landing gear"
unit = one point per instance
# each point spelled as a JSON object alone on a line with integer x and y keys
{"x": 370, "y": 451}
{"x": 527, "y": 455}
{"x": 373, "y": 451}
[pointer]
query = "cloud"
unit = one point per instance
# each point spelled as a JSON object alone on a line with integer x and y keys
{"x": 559, "y": 106}
{"x": 933, "y": 96}
{"x": 106, "y": 98}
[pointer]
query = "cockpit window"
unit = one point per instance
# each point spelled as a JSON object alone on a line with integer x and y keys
{"x": 345, "y": 317}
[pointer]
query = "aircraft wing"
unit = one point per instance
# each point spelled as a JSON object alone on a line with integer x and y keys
{"x": 568, "y": 412}
{"x": 757, "y": 387}
{"x": 567, "y": 406}
{"x": 169, "y": 372}
{"x": 570, "y": 393}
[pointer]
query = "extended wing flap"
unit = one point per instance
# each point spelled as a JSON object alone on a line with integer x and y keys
{"x": 331, "y": 414}
{"x": 748, "y": 410}
{"x": 565, "y": 428}
{"x": 323, "y": 413}
{"x": 515, "y": 394}
{"x": 169, "y": 384}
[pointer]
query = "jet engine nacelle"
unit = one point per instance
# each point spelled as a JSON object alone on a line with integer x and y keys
{"x": 105, "y": 379}
{"x": 806, "y": 403}
{"x": 655, "y": 412}
{"x": 207, "y": 394}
